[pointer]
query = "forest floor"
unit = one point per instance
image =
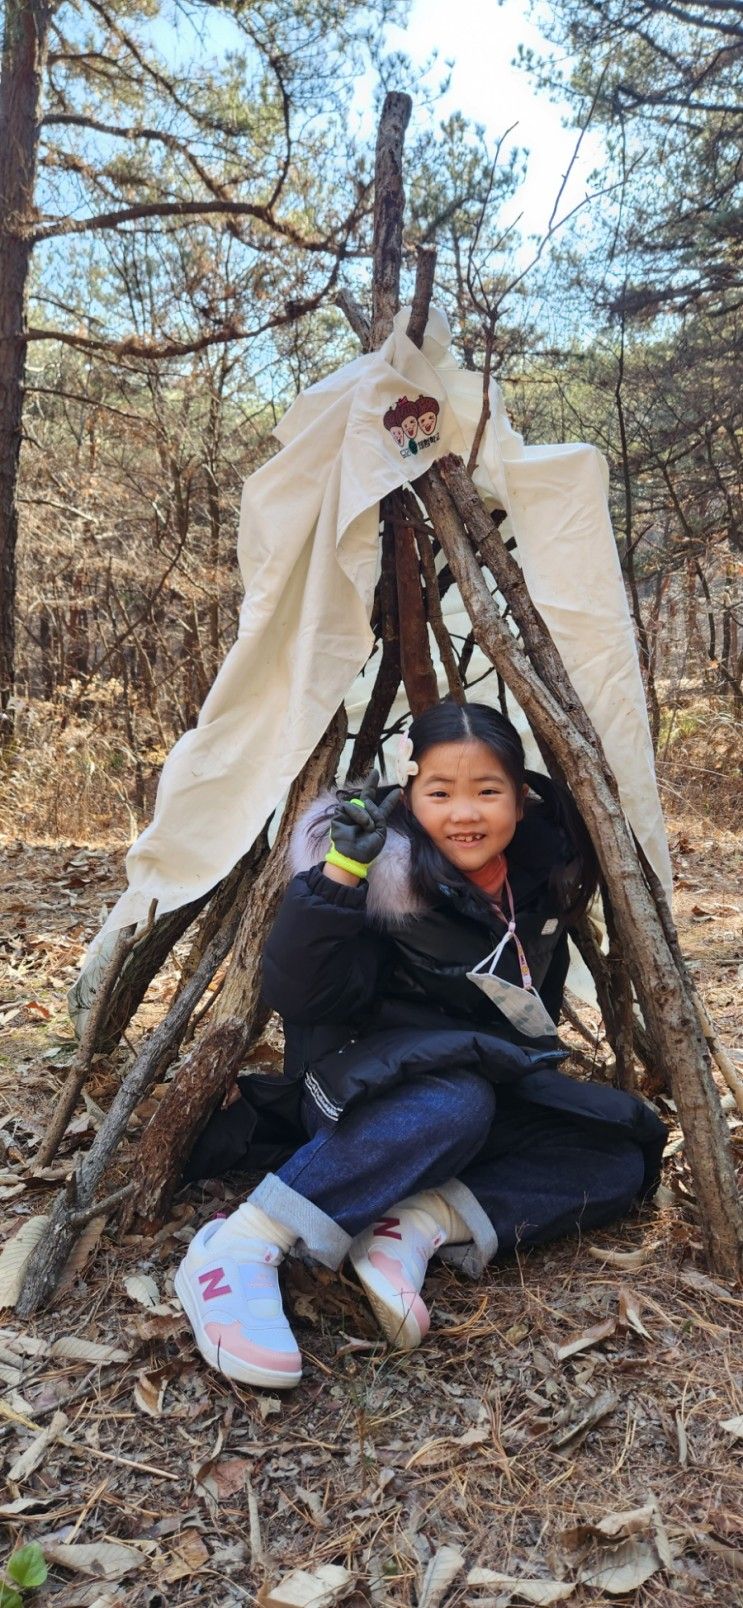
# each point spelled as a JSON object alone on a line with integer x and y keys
{"x": 571, "y": 1429}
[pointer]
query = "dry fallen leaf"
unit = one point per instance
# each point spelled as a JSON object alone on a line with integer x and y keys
{"x": 187, "y": 1558}
{"x": 633, "y": 1544}
{"x": 440, "y": 1450}
{"x": 593, "y": 1413}
{"x": 612, "y": 1527}
{"x": 160, "y": 1325}
{"x": 103, "y": 1560}
{"x": 223, "y": 1478}
{"x": 624, "y": 1568}
{"x": 36, "y": 1452}
{"x": 694, "y": 1280}
{"x": 268, "y": 1405}
{"x": 305, "y": 1307}
{"x": 320, "y": 1588}
{"x": 588, "y": 1337}
{"x": 629, "y": 1311}
{"x": 540, "y": 1592}
{"x": 150, "y": 1388}
{"x": 734, "y": 1426}
{"x": 442, "y": 1569}
{"x": 14, "y": 1257}
{"x": 80, "y": 1255}
{"x": 90, "y": 1594}
{"x": 25, "y": 1504}
{"x": 76, "y": 1350}
{"x": 630, "y": 1260}
{"x": 142, "y": 1288}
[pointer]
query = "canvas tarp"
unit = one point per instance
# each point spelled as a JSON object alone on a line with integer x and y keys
{"x": 308, "y": 548}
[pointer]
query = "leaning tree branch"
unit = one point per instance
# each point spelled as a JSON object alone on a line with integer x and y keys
{"x": 325, "y": 245}
{"x": 48, "y": 1258}
{"x": 664, "y": 1000}
{"x": 389, "y": 211}
{"x": 82, "y": 1062}
{"x": 207, "y": 1072}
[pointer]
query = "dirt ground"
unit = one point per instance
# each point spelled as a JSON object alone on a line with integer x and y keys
{"x": 571, "y": 1431}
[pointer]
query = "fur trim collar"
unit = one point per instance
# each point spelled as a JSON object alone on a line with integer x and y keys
{"x": 392, "y": 900}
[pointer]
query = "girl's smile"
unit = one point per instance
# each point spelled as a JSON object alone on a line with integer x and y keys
{"x": 466, "y": 802}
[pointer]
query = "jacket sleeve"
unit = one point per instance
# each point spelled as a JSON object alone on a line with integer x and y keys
{"x": 321, "y": 961}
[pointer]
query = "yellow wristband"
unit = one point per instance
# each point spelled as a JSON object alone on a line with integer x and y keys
{"x": 334, "y": 857}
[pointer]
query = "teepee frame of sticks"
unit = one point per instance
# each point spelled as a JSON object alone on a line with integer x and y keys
{"x": 677, "y": 1041}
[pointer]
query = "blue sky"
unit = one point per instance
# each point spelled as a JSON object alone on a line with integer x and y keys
{"x": 481, "y": 39}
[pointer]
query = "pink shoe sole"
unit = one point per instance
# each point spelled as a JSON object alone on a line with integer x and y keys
{"x": 247, "y": 1363}
{"x": 401, "y": 1314}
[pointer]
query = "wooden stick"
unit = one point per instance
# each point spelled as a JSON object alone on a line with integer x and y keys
{"x": 357, "y": 318}
{"x": 425, "y": 269}
{"x": 435, "y": 615}
{"x": 50, "y": 1254}
{"x": 718, "y": 1052}
{"x": 418, "y": 674}
{"x": 664, "y": 998}
{"x": 210, "y": 1068}
{"x": 576, "y": 1021}
{"x": 102, "y": 1208}
{"x": 384, "y": 691}
{"x": 389, "y": 212}
{"x": 80, "y": 1069}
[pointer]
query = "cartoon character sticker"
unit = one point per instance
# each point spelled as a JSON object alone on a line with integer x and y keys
{"x": 412, "y": 423}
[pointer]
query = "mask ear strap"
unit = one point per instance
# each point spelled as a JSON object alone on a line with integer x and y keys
{"x": 495, "y": 956}
{"x": 510, "y": 933}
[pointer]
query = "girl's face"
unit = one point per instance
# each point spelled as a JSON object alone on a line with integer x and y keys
{"x": 466, "y": 801}
{"x": 410, "y": 425}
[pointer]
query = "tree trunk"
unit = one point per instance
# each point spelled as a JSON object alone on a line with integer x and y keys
{"x": 24, "y": 52}
{"x": 208, "y": 1071}
{"x": 418, "y": 673}
{"x": 389, "y": 211}
{"x": 384, "y": 691}
{"x": 663, "y": 998}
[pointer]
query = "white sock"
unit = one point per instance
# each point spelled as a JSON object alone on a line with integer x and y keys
{"x": 431, "y": 1211}
{"x": 252, "y": 1223}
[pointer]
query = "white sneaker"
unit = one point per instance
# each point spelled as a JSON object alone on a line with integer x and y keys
{"x": 391, "y": 1259}
{"x": 232, "y": 1300}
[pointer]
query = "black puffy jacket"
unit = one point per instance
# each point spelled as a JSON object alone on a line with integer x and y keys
{"x": 372, "y": 988}
{"x": 372, "y": 984}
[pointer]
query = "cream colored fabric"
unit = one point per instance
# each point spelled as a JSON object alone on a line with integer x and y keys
{"x": 309, "y": 551}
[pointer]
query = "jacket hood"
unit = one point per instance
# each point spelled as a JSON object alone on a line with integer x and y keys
{"x": 392, "y": 899}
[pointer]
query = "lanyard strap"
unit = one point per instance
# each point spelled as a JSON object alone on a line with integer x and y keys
{"x": 511, "y": 933}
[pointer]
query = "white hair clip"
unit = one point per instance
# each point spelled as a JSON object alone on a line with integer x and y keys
{"x": 405, "y": 767}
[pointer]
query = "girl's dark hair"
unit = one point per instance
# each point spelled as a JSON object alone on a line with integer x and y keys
{"x": 572, "y": 879}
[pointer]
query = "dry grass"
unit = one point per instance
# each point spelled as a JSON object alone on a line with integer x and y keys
{"x": 378, "y": 1460}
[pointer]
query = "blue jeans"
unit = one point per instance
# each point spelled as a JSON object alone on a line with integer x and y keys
{"x": 517, "y": 1174}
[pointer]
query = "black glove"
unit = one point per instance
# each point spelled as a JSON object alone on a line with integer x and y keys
{"x": 359, "y": 827}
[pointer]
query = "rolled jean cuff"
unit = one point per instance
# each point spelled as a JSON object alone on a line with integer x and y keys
{"x": 316, "y": 1232}
{"x": 473, "y": 1257}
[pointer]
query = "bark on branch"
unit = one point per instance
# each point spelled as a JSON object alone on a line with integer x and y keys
{"x": 389, "y": 211}
{"x": 212, "y": 1065}
{"x": 659, "y": 986}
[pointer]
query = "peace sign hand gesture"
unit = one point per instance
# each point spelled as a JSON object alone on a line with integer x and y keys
{"x": 359, "y": 826}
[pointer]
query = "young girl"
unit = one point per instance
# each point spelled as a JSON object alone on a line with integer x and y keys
{"x": 434, "y": 1114}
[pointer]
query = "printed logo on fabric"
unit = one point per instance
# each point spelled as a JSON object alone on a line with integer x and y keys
{"x": 412, "y": 424}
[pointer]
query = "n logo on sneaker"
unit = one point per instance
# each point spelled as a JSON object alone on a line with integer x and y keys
{"x": 388, "y": 1228}
{"x": 211, "y": 1283}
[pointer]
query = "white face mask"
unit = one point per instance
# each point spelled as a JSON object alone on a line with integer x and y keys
{"x": 522, "y": 1007}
